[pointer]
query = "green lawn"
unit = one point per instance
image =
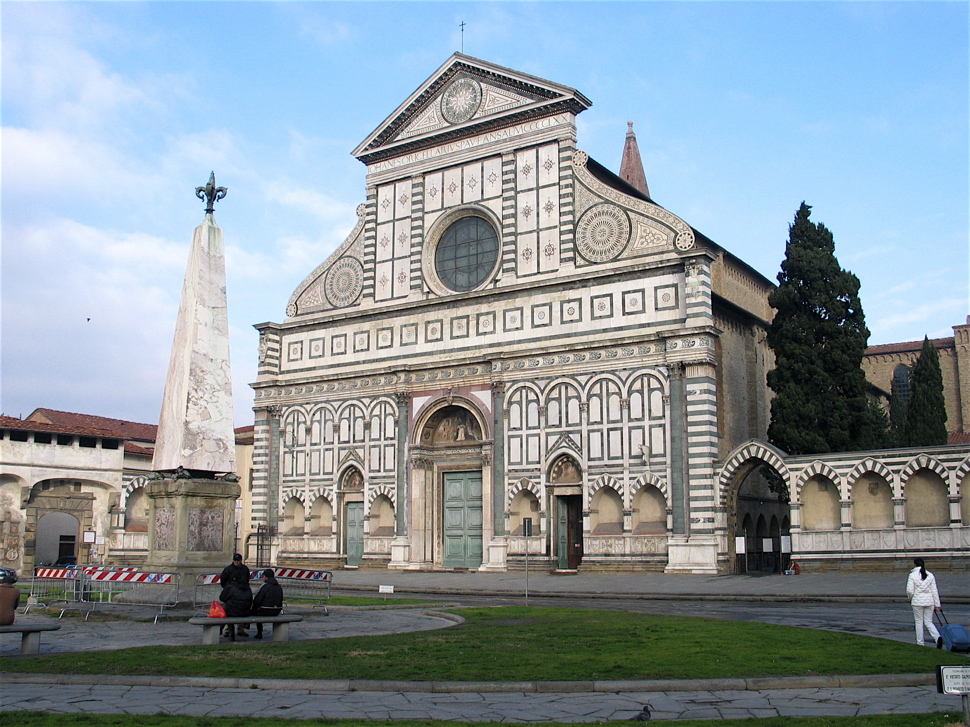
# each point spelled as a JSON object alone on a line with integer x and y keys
{"x": 526, "y": 644}
{"x": 41, "y": 719}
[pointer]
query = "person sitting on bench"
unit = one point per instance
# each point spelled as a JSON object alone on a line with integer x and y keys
{"x": 9, "y": 596}
{"x": 238, "y": 602}
{"x": 268, "y": 600}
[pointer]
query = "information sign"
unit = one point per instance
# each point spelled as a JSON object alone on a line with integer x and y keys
{"x": 953, "y": 679}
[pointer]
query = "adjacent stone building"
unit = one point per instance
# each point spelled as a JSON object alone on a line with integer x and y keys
{"x": 65, "y": 476}
{"x": 893, "y": 362}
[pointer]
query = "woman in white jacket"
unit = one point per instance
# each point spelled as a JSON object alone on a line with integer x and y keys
{"x": 921, "y": 589}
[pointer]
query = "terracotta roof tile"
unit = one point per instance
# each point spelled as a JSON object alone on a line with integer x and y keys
{"x": 132, "y": 448}
{"x": 111, "y": 427}
{"x": 32, "y": 426}
{"x": 958, "y": 438}
{"x": 908, "y": 347}
{"x": 89, "y": 425}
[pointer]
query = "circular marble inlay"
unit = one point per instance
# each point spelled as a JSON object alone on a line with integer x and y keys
{"x": 345, "y": 281}
{"x": 602, "y": 233}
{"x": 685, "y": 240}
{"x": 461, "y": 100}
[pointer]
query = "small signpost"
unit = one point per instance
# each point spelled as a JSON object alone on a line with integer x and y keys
{"x": 527, "y": 533}
{"x": 955, "y": 680}
{"x": 385, "y": 590}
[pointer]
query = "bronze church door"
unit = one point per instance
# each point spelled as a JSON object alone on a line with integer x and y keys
{"x": 462, "y": 519}
{"x": 569, "y": 510}
{"x": 354, "y": 513}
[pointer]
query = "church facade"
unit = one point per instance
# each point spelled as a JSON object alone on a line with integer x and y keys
{"x": 515, "y": 350}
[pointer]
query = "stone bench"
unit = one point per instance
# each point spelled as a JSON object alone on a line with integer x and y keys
{"x": 212, "y": 626}
{"x": 30, "y": 635}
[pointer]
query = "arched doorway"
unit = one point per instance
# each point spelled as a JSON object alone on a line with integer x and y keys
{"x": 351, "y": 491}
{"x": 72, "y": 504}
{"x": 566, "y": 482}
{"x": 449, "y": 472}
{"x": 757, "y": 503}
{"x": 57, "y": 537}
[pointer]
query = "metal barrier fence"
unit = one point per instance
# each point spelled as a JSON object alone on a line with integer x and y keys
{"x": 84, "y": 589}
{"x": 53, "y": 585}
{"x": 297, "y": 583}
{"x": 132, "y": 589}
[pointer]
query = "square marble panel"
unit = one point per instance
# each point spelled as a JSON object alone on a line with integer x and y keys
{"x": 361, "y": 341}
{"x": 385, "y": 337}
{"x": 512, "y": 320}
{"x": 409, "y": 334}
{"x": 485, "y": 323}
{"x": 434, "y": 330}
{"x": 571, "y": 311}
{"x": 294, "y": 351}
{"x": 601, "y": 306}
{"x": 541, "y": 315}
{"x": 316, "y": 347}
{"x": 338, "y": 344}
{"x": 633, "y": 302}
{"x": 459, "y": 327}
{"x": 665, "y": 297}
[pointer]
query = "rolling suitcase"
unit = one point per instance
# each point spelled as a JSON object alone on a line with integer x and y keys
{"x": 955, "y": 637}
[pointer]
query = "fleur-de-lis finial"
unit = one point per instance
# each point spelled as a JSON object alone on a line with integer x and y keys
{"x": 210, "y": 193}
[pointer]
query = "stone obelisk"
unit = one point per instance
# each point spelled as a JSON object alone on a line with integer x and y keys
{"x": 193, "y": 491}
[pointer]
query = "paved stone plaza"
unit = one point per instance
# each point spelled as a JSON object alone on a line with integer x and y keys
{"x": 518, "y": 702}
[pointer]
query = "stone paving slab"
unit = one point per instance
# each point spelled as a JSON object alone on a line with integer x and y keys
{"x": 498, "y": 706}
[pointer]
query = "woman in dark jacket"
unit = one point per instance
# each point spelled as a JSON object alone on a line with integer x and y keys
{"x": 268, "y": 600}
{"x": 238, "y": 602}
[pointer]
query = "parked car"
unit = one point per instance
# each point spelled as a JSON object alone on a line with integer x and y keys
{"x": 66, "y": 561}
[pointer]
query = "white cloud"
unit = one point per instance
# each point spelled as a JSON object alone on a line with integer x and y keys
{"x": 318, "y": 25}
{"x": 88, "y": 318}
{"x": 324, "y": 207}
{"x": 915, "y": 322}
{"x": 53, "y": 163}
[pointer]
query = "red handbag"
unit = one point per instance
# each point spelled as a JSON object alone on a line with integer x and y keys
{"x": 216, "y": 610}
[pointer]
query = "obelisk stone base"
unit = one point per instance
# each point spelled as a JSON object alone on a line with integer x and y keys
{"x": 191, "y": 526}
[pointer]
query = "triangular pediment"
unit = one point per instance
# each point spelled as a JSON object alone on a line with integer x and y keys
{"x": 465, "y": 97}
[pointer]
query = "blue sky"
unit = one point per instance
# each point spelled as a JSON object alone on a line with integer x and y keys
{"x": 113, "y": 113}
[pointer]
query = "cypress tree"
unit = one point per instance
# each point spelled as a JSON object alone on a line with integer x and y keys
{"x": 926, "y": 414}
{"x": 818, "y": 336}
{"x": 898, "y": 407}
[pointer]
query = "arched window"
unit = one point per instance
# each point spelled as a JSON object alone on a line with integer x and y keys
{"x": 901, "y": 382}
{"x": 524, "y": 432}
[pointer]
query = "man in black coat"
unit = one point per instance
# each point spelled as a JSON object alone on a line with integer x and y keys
{"x": 236, "y": 572}
{"x": 268, "y": 600}
{"x": 238, "y": 602}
